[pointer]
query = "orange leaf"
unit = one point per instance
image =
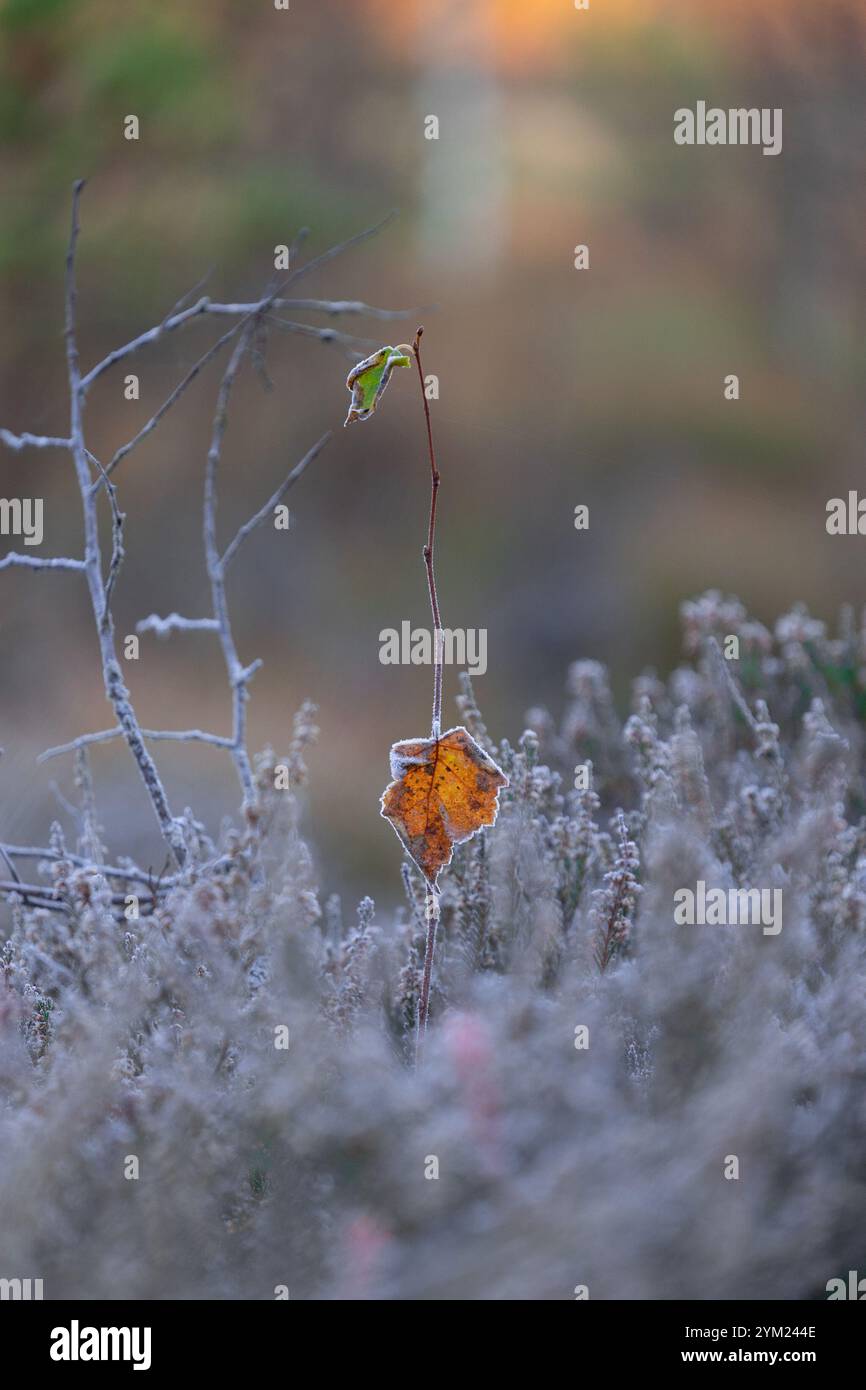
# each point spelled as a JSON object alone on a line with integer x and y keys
{"x": 444, "y": 790}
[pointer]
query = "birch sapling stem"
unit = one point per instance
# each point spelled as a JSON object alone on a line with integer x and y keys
{"x": 436, "y": 729}
{"x": 432, "y": 896}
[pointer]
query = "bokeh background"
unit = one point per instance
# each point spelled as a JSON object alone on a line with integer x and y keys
{"x": 557, "y": 387}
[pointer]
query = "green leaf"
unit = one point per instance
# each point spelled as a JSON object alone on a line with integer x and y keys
{"x": 368, "y": 379}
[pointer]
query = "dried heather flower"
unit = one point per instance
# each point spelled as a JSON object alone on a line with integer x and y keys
{"x": 614, "y": 904}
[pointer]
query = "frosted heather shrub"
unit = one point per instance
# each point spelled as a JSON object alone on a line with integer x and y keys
{"x": 252, "y": 1047}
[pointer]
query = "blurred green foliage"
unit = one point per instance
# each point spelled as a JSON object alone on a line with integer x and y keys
{"x": 71, "y": 71}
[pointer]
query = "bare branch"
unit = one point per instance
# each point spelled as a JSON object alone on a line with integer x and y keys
{"x": 246, "y": 674}
{"x": 152, "y": 335}
{"x": 338, "y": 250}
{"x": 153, "y": 735}
{"x": 132, "y": 875}
{"x": 10, "y": 863}
{"x": 187, "y": 736}
{"x": 189, "y": 294}
{"x": 115, "y": 690}
{"x": 17, "y": 442}
{"x": 40, "y": 896}
{"x": 176, "y": 394}
{"x": 207, "y": 306}
{"x": 322, "y": 335}
{"x": 118, "y": 554}
{"x": 300, "y": 238}
{"x": 258, "y": 351}
{"x": 35, "y": 562}
{"x": 175, "y": 623}
{"x": 337, "y": 307}
{"x": 237, "y": 677}
{"x": 33, "y": 895}
{"x": 250, "y": 332}
{"x": 73, "y": 812}
{"x": 264, "y": 512}
{"x": 170, "y": 325}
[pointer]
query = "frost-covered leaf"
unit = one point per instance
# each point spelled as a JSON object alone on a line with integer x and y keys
{"x": 368, "y": 379}
{"x": 444, "y": 790}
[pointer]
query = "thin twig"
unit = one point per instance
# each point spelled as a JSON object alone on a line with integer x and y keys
{"x": 189, "y": 294}
{"x": 322, "y": 259}
{"x": 154, "y": 735}
{"x": 300, "y": 237}
{"x": 32, "y": 441}
{"x": 238, "y": 676}
{"x": 739, "y": 699}
{"x": 91, "y": 842}
{"x": 133, "y": 875}
{"x": 428, "y": 550}
{"x": 337, "y": 307}
{"x": 152, "y": 335}
{"x": 175, "y": 623}
{"x": 73, "y": 812}
{"x": 178, "y": 391}
{"x": 118, "y": 554}
{"x": 264, "y": 512}
{"x": 37, "y": 895}
{"x": 207, "y": 306}
{"x": 10, "y": 863}
{"x": 33, "y": 895}
{"x": 35, "y": 562}
{"x": 432, "y": 899}
{"x": 321, "y": 335}
{"x": 733, "y": 689}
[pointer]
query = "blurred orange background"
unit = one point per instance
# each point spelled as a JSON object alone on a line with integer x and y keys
{"x": 557, "y": 386}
